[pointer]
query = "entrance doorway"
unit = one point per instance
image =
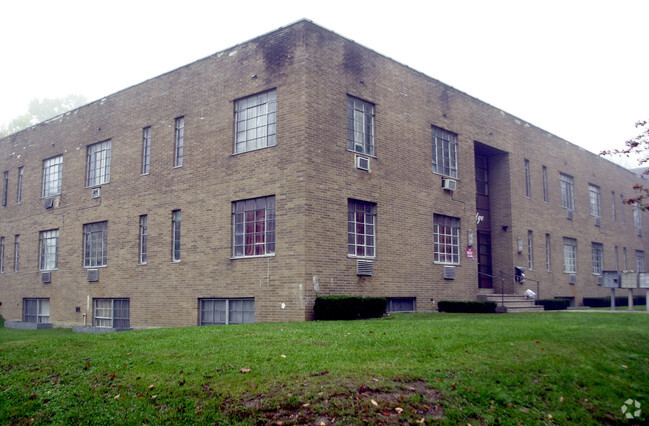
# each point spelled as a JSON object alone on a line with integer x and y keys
{"x": 483, "y": 221}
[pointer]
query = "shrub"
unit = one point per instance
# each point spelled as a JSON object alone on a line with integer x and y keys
{"x": 467, "y": 307}
{"x": 348, "y": 307}
{"x": 554, "y": 304}
{"x": 605, "y": 302}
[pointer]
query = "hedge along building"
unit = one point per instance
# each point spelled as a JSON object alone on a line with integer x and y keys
{"x": 241, "y": 186}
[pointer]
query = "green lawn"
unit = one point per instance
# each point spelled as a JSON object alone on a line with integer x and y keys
{"x": 552, "y": 367}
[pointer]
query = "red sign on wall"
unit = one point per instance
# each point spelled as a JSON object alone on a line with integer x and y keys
{"x": 469, "y": 253}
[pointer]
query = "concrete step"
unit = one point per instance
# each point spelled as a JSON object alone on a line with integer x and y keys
{"x": 513, "y": 302}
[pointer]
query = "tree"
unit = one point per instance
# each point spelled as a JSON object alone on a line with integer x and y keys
{"x": 639, "y": 145}
{"x": 40, "y": 110}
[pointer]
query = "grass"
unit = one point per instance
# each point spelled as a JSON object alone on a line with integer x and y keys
{"x": 559, "y": 367}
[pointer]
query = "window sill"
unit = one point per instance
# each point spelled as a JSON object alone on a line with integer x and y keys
{"x": 95, "y": 267}
{"x": 47, "y": 270}
{"x": 362, "y": 153}
{"x": 351, "y": 256}
{"x": 252, "y": 257}
{"x": 252, "y": 150}
{"x": 447, "y": 176}
{"x": 177, "y": 167}
{"x": 447, "y": 264}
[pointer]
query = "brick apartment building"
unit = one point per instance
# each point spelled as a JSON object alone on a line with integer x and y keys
{"x": 239, "y": 187}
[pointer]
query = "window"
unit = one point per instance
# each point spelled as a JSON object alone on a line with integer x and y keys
{"x": 95, "y": 242}
{"x": 143, "y": 237}
{"x": 361, "y": 228}
{"x": 48, "y": 249}
{"x": 545, "y": 184}
{"x": 253, "y": 224}
{"x": 146, "y": 150}
{"x": 567, "y": 192}
{"x": 597, "y": 250}
{"x": 446, "y": 238}
{"x": 569, "y": 255}
{"x": 622, "y": 208}
{"x": 5, "y": 188}
{"x": 528, "y": 180}
{"x": 613, "y": 206}
{"x": 637, "y": 215}
{"x": 624, "y": 259}
{"x": 19, "y": 189}
{"x": 617, "y": 259}
{"x": 255, "y": 120}
{"x": 112, "y": 313}
{"x": 98, "y": 167}
{"x": 639, "y": 261}
{"x": 179, "y": 140}
{"x": 547, "y": 253}
{"x": 530, "y": 250}
{"x": 175, "y": 236}
{"x": 401, "y": 304}
{"x": 2, "y": 255}
{"x": 360, "y": 126}
{"x": 16, "y": 252}
{"x": 444, "y": 152}
{"x": 36, "y": 310}
{"x": 595, "y": 205}
{"x": 227, "y": 311}
{"x": 52, "y": 169}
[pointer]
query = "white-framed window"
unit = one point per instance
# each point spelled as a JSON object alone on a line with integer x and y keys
{"x": 5, "y": 188}
{"x": 2, "y": 255}
{"x": 360, "y": 126}
{"x": 639, "y": 261}
{"x": 530, "y": 250}
{"x": 637, "y": 215}
{"x": 444, "y": 152}
{"x": 52, "y": 172}
{"x": 48, "y": 249}
{"x": 143, "y": 239}
{"x": 227, "y": 311}
{"x": 567, "y": 185}
{"x": 112, "y": 313}
{"x": 546, "y": 196}
{"x": 36, "y": 310}
{"x": 16, "y": 253}
{"x": 255, "y": 119}
{"x": 597, "y": 250}
{"x": 548, "y": 251}
{"x": 528, "y": 180}
{"x": 175, "y": 235}
{"x": 446, "y": 239}
{"x": 361, "y": 228}
{"x": 253, "y": 227}
{"x": 95, "y": 244}
{"x": 569, "y": 255}
{"x": 595, "y": 200}
{"x": 98, "y": 163}
{"x": 146, "y": 150}
{"x": 179, "y": 141}
{"x": 613, "y": 206}
{"x": 19, "y": 187}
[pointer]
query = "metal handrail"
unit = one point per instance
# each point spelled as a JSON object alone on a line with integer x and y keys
{"x": 502, "y": 285}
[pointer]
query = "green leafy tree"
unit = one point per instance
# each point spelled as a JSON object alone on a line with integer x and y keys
{"x": 40, "y": 110}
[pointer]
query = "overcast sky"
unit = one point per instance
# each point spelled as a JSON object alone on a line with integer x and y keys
{"x": 577, "y": 69}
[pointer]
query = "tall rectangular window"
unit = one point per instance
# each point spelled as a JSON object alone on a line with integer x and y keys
{"x": 146, "y": 150}
{"x": 361, "y": 228}
{"x": 530, "y": 250}
{"x": 98, "y": 163}
{"x": 19, "y": 188}
{"x": 548, "y": 252}
{"x": 622, "y": 208}
{"x": 143, "y": 238}
{"x": 444, "y": 152}
{"x": 16, "y": 253}
{"x": 179, "y": 141}
{"x": 639, "y": 261}
{"x": 567, "y": 191}
{"x": 95, "y": 244}
{"x": 52, "y": 171}
{"x": 613, "y": 206}
{"x": 528, "y": 180}
{"x": 597, "y": 251}
{"x": 2, "y": 255}
{"x": 637, "y": 215}
{"x": 595, "y": 200}
{"x": 175, "y": 236}
{"x": 111, "y": 313}
{"x": 5, "y": 188}
{"x": 253, "y": 227}
{"x": 446, "y": 239}
{"x": 569, "y": 255}
{"x": 227, "y": 311}
{"x": 255, "y": 119}
{"x": 545, "y": 184}
{"x": 48, "y": 242}
{"x": 360, "y": 126}
{"x": 624, "y": 259}
{"x": 36, "y": 310}
{"x": 617, "y": 259}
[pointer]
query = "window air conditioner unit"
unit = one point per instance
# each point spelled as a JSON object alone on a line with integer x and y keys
{"x": 46, "y": 277}
{"x": 93, "y": 275}
{"x": 600, "y": 280}
{"x": 449, "y": 272}
{"x": 572, "y": 279}
{"x": 597, "y": 220}
{"x": 362, "y": 163}
{"x": 639, "y": 232}
{"x": 96, "y": 192}
{"x": 570, "y": 214}
{"x": 449, "y": 184}
{"x": 364, "y": 268}
{"x": 49, "y": 203}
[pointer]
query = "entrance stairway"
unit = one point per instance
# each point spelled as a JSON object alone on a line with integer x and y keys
{"x": 513, "y": 302}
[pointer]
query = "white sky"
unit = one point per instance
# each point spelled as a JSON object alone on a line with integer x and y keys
{"x": 577, "y": 69}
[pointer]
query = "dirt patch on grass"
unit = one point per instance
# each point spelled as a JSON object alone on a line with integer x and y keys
{"x": 324, "y": 403}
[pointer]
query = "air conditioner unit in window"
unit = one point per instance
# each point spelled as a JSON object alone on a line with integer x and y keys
{"x": 362, "y": 163}
{"x": 96, "y": 192}
{"x": 600, "y": 280}
{"x": 48, "y": 203}
{"x": 572, "y": 279}
{"x": 449, "y": 184}
{"x": 364, "y": 268}
{"x": 639, "y": 232}
{"x": 597, "y": 220}
{"x": 93, "y": 275}
{"x": 46, "y": 277}
{"x": 449, "y": 272}
{"x": 570, "y": 214}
